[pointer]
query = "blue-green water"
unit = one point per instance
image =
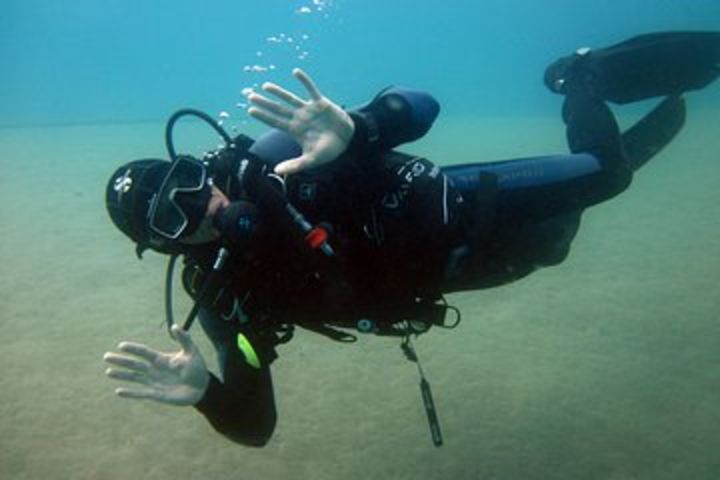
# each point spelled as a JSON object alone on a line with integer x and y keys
{"x": 602, "y": 368}
{"x": 89, "y": 60}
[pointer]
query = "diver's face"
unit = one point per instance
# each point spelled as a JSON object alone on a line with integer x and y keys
{"x": 206, "y": 232}
{"x": 217, "y": 201}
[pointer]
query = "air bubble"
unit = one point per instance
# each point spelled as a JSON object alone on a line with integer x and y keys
{"x": 255, "y": 68}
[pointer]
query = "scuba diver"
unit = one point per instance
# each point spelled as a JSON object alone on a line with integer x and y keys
{"x": 322, "y": 224}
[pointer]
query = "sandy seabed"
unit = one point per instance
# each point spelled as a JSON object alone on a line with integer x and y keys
{"x": 605, "y": 367}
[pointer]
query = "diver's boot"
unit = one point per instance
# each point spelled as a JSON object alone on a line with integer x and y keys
{"x": 646, "y": 66}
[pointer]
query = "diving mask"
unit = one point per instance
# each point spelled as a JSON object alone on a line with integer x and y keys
{"x": 180, "y": 204}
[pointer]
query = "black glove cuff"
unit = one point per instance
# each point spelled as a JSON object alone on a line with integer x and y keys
{"x": 367, "y": 130}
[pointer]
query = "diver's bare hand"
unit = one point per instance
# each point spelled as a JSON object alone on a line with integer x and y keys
{"x": 321, "y": 127}
{"x": 176, "y": 378}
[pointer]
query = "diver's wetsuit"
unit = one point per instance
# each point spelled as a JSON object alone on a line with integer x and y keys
{"x": 408, "y": 230}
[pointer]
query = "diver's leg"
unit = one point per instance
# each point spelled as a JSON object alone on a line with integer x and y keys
{"x": 524, "y": 213}
{"x": 591, "y": 128}
{"x": 653, "y": 65}
{"x": 534, "y": 210}
{"x": 647, "y": 137}
{"x": 536, "y": 189}
{"x": 659, "y": 64}
{"x": 510, "y": 252}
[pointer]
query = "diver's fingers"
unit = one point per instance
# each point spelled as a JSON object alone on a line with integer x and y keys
{"x": 126, "y": 362}
{"x": 140, "y": 350}
{"x": 270, "y": 106}
{"x": 286, "y": 95}
{"x": 269, "y": 119}
{"x": 138, "y": 393}
{"x": 294, "y": 165}
{"x": 309, "y": 84}
{"x": 127, "y": 375}
{"x": 183, "y": 338}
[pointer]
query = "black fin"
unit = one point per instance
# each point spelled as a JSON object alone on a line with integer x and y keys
{"x": 651, "y": 134}
{"x": 660, "y": 64}
{"x": 646, "y": 66}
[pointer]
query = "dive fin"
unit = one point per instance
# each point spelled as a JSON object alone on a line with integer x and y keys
{"x": 646, "y": 66}
{"x": 651, "y": 134}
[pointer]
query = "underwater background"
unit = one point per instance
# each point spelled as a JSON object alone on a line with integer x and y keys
{"x": 604, "y": 367}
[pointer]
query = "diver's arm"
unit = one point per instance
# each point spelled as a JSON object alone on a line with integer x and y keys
{"x": 243, "y": 407}
{"x": 395, "y": 116}
{"x": 324, "y": 131}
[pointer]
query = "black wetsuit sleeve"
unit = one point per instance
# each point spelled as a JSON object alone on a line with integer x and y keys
{"x": 395, "y": 116}
{"x": 242, "y": 406}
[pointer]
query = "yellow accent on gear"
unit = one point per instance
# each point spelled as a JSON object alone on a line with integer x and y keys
{"x": 248, "y": 351}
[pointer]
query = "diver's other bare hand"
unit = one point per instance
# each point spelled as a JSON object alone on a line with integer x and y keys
{"x": 320, "y": 126}
{"x": 176, "y": 378}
